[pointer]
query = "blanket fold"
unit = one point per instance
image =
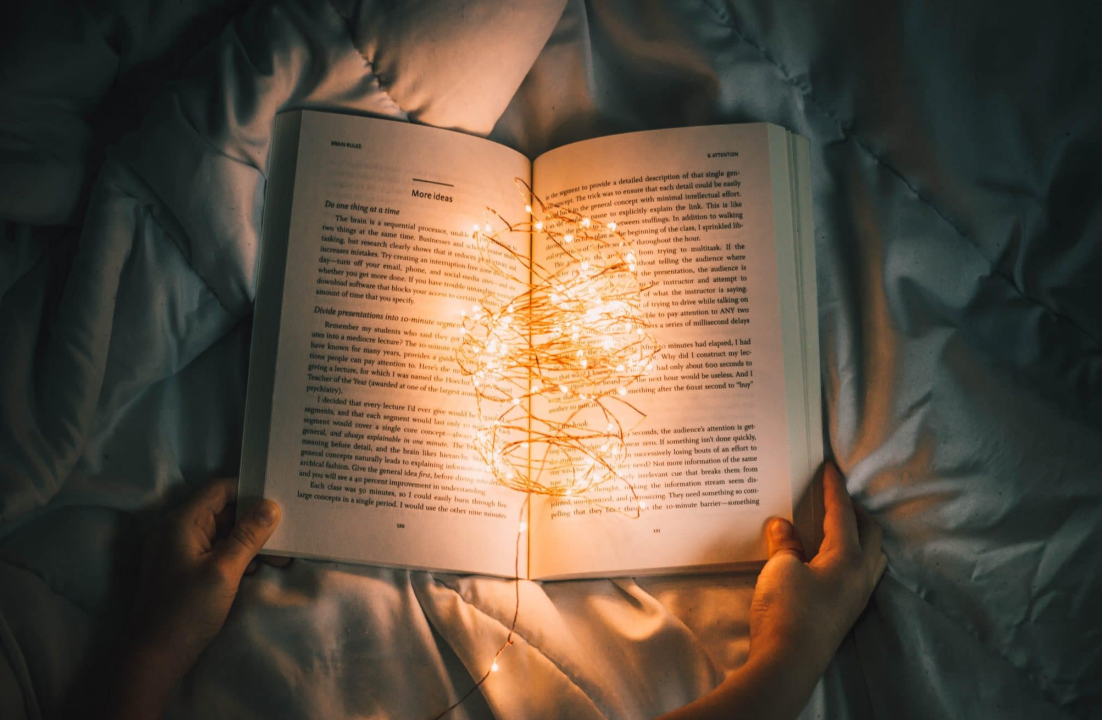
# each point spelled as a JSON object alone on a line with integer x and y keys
{"x": 956, "y": 227}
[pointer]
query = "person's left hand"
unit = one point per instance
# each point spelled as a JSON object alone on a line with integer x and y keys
{"x": 191, "y": 570}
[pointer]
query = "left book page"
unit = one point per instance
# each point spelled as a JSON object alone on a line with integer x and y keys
{"x": 358, "y": 422}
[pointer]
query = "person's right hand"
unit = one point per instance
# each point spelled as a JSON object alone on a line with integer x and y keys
{"x": 800, "y": 613}
{"x": 802, "y": 609}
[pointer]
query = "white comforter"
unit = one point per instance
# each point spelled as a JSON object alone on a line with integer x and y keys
{"x": 956, "y": 155}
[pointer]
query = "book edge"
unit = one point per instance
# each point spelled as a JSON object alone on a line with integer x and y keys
{"x": 270, "y": 269}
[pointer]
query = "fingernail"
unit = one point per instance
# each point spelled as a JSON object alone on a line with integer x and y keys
{"x": 779, "y": 530}
{"x": 266, "y": 512}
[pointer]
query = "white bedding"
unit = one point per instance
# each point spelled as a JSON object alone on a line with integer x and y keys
{"x": 956, "y": 155}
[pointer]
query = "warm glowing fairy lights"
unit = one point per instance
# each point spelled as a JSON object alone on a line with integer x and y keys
{"x": 551, "y": 366}
{"x": 494, "y": 667}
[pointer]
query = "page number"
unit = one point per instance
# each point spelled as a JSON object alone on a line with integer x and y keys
{"x": 401, "y": 526}
{"x": 656, "y": 530}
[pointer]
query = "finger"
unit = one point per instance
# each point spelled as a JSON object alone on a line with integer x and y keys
{"x": 196, "y": 520}
{"x": 248, "y": 536}
{"x": 870, "y": 536}
{"x": 781, "y": 538}
{"x": 204, "y": 521}
{"x": 279, "y": 561}
{"x": 212, "y": 498}
{"x": 223, "y": 521}
{"x": 839, "y": 522}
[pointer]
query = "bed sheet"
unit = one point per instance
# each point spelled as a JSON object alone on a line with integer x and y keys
{"x": 956, "y": 182}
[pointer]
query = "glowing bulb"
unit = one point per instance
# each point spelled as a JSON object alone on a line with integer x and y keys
{"x": 475, "y": 228}
{"x": 584, "y": 309}
{"x": 493, "y": 667}
{"x": 642, "y": 504}
{"x": 523, "y": 526}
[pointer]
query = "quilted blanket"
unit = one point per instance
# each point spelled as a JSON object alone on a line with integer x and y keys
{"x": 956, "y": 175}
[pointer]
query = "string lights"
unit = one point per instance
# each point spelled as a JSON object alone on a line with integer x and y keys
{"x": 494, "y": 666}
{"x": 551, "y": 366}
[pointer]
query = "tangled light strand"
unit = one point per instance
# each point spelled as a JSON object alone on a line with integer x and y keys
{"x": 552, "y": 366}
{"x": 521, "y": 528}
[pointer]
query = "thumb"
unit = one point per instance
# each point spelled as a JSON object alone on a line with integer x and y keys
{"x": 781, "y": 538}
{"x": 249, "y": 535}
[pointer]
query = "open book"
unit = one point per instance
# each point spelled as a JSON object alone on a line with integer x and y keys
{"x": 361, "y": 426}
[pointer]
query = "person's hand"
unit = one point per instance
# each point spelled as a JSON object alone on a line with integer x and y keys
{"x": 191, "y": 570}
{"x": 800, "y": 612}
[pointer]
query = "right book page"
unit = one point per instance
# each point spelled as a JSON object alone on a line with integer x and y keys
{"x": 720, "y": 220}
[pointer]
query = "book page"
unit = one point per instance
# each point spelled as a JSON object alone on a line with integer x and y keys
{"x": 711, "y": 460}
{"x": 370, "y": 447}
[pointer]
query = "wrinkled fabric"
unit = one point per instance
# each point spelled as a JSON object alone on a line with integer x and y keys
{"x": 956, "y": 155}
